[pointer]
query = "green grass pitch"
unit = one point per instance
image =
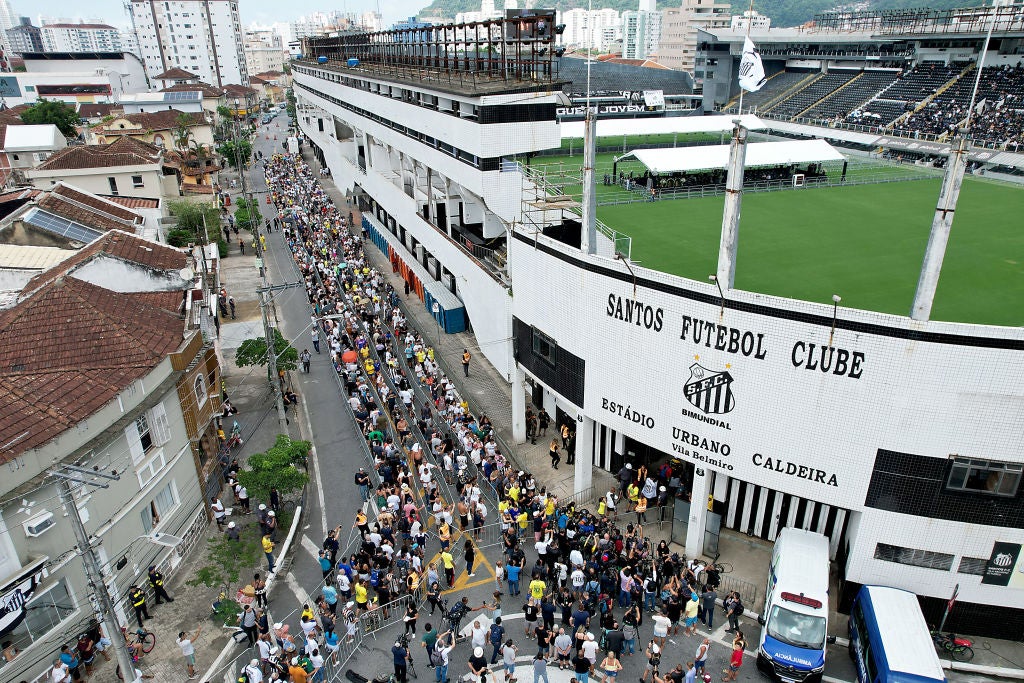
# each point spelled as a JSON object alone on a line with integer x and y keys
{"x": 864, "y": 242}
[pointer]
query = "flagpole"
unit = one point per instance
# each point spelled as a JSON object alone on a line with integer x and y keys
{"x": 750, "y": 20}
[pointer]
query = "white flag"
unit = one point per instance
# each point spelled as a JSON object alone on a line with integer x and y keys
{"x": 751, "y": 70}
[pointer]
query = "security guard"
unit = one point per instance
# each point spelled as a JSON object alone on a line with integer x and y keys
{"x": 138, "y": 600}
{"x": 156, "y": 580}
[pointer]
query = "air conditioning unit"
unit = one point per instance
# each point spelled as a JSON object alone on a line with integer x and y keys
{"x": 39, "y": 524}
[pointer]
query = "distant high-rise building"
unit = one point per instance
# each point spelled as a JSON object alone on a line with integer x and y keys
{"x": 203, "y": 37}
{"x": 648, "y": 6}
{"x": 61, "y": 37}
{"x": 24, "y": 37}
{"x": 641, "y": 33}
{"x": 590, "y": 30}
{"x": 678, "y": 47}
{"x": 264, "y": 50}
{"x": 752, "y": 18}
{"x": 8, "y": 19}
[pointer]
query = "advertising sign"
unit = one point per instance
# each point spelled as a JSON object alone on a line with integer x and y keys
{"x": 9, "y": 86}
{"x": 1004, "y": 566}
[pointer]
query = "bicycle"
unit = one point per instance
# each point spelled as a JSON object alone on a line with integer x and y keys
{"x": 716, "y": 566}
{"x": 958, "y": 648}
{"x": 142, "y": 637}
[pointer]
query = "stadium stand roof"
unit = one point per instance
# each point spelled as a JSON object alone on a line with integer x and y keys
{"x": 686, "y": 159}
{"x": 605, "y": 76}
{"x": 654, "y": 126}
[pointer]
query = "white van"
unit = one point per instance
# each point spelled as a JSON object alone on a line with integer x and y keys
{"x": 795, "y": 617}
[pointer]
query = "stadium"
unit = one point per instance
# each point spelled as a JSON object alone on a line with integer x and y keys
{"x": 803, "y": 395}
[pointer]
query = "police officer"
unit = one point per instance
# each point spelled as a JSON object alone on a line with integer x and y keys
{"x": 138, "y": 600}
{"x": 156, "y": 580}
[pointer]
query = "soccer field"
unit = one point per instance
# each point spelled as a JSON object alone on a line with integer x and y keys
{"x": 862, "y": 242}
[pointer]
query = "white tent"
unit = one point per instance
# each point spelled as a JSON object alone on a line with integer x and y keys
{"x": 685, "y": 159}
{"x": 657, "y": 126}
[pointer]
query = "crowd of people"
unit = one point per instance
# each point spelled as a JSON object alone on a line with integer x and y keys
{"x": 592, "y": 578}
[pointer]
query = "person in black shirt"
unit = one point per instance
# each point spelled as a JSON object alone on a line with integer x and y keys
{"x": 478, "y": 664}
{"x": 581, "y": 666}
{"x": 614, "y": 639}
{"x": 676, "y": 675}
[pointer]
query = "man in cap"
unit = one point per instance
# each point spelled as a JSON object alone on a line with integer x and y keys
{"x": 296, "y": 672}
{"x": 138, "y": 601}
{"x": 156, "y": 580}
{"x": 478, "y": 664}
{"x": 252, "y": 671}
{"x": 401, "y": 658}
{"x": 232, "y": 532}
{"x": 363, "y": 482}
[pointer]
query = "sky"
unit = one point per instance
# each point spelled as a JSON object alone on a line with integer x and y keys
{"x": 259, "y": 11}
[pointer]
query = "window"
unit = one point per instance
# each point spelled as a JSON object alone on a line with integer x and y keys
{"x": 972, "y": 565}
{"x": 984, "y": 476}
{"x": 913, "y": 557}
{"x": 544, "y": 347}
{"x": 137, "y": 181}
{"x": 113, "y": 185}
{"x": 200, "y": 387}
{"x": 145, "y": 437}
{"x": 44, "y": 611}
{"x": 158, "y": 508}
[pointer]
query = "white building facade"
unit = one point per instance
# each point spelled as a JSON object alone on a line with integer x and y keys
{"x": 897, "y": 439}
{"x": 590, "y": 30}
{"x": 425, "y": 164}
{"x": 264, "y": 51}
{"x": 641, "y": 33}
{"x": 203, "y": 37}
{"x": 80, "y": 38}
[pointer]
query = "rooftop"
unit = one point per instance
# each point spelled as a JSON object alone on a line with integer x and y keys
{"x": 205, "y": 88}
{"x": 94, "y": 110}
{"x": 87, "y": 209}
{"x": 125, "y": 151}
{"x": 167, "y": 119}
{"x": 32, "y": 137}
{"x": 176, "y": 74}
{"x": 613, "y": 76}
{"x": 81, "y": 26}
{"x": 107, "y": 340}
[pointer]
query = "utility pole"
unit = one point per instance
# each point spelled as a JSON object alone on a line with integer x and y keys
{"x": 105, "y": 608}
{"x": 268, "y": 332}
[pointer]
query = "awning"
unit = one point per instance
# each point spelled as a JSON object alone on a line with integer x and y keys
{"x": 685, "y": 159}
{"x": 658, "y": 126}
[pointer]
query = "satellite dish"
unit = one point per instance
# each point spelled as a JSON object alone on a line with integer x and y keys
{"x": 186, "y": 274}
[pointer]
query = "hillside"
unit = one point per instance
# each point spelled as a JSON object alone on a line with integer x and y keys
{"x": 782, "y": 12}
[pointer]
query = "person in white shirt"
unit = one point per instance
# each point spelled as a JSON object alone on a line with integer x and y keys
{"x": 252, "y": 671}
{"x": 188, "y": 650}
{"x": 59, "y": 672}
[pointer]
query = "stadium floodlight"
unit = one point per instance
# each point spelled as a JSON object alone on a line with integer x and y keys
{"x": 559, "y": 29}
{"x": 721, "y": 310}
{"x": 559, "y": 51}
{"x": 835, "y": 313}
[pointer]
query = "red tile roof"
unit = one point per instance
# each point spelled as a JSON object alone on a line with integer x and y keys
{"x": 12, "y": 116}
{"x": 116, "y": 244}
{"x": 88, "y": 209}
{"x": 175, "y": 74}
{"x": 233, "y": 89}
{"x": 167, "y": 119}
{"x": 132, "y": 202}
{"x": 207, "y": 89}
{"x": 69, "y": 349}
{"x": 124, "y": 151}
{"x": 256, "y": 80}
{"x": 91, "y": 110}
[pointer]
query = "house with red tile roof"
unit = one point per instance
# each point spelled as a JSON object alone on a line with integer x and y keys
{"x": 104, "y": 364}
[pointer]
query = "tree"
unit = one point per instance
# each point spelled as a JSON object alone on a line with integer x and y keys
{"x": 290, "y": 96}
{"x": 223, "y": 112}
{"x": 276, "y": 469}
{"x": 190, "y": 221}
{"x": 182, "y": 133}
{"x": 247, "y": 215}
{"x": 237, "y": 152}
{"x": 52, "y": 111}
{"x": 227, "y": 560}
{"x": 254, "y": 352}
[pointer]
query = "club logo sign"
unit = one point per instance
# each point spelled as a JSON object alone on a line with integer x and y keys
{"x": 708, "y": 391}
{"x": 1002, "y": 560}
{"x": 12, "y": 604}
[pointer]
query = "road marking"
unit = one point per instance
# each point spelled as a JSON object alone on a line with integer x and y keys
{"x": 293, "y": 585}
{"x": 314, "y": 460}
{"x": 309, "y": 546}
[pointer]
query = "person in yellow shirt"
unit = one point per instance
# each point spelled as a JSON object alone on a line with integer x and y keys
{"x": 369, "y": 367}
{"x": 268, "y": 551}
{"x": 361, "y": 595}
{"x": 444, "y": 534}
{"x": 524, "y": 520}
{"x": 537, "y": 588}
{"x": 449, "y": 567}
{"x": 549, "y": 508}
{"x": 633, "y": 493}
{"x": 413, "y": 582}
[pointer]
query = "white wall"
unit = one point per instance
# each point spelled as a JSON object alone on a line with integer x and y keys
{"x": 959, "y": 395}
{"x": 154, "y": 184}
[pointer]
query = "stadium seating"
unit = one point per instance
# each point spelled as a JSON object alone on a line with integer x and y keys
{"x": 921, "y": 82}
{"x": 878, "y": 112}
{"x": 773, "y": 89}
{"x": 811, "y": 93}
{"x": 859, "y": 91}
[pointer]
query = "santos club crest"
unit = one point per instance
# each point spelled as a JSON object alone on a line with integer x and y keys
{"x": 710, "y": 392}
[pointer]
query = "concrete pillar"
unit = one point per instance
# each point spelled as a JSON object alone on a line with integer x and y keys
{"x": 942, "y": 224}
{"x": 550, "y": 404}
{"x": 583, "y": 477}
{"x": 698, "y": 520}
{"x": 731, "y": 215}
{"x": 431, "y": 213}
{"x": 518, "y": 405}
{"x": 588, "y": 238}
